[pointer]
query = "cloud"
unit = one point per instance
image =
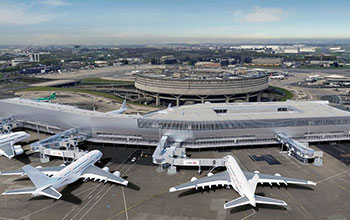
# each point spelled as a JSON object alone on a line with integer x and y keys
{"x": 54, "y": 3}
{"x": 20, "y": 14}
{"x": 260, "y": 15}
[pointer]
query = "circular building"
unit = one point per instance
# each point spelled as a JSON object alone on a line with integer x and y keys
{"x": 201, "y": 85}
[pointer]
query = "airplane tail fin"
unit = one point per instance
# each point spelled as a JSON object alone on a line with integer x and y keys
{"x": 121, "y": 110}
{"x": 123, "y": 104}
{"x": 258, "y": 200}
{"x": 53, "y": 95}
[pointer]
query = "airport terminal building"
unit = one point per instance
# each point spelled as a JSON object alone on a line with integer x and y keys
{"x": 202, "y": 85}
{"x": 194, "y": 126}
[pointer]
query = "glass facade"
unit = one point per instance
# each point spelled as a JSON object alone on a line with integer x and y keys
{"x": 239, "y": 124}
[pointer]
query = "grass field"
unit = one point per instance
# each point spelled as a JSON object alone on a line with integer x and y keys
{"x": 287, "y": 94}
{"x": 93, "y": 81}
{"x": 100, "y": 94}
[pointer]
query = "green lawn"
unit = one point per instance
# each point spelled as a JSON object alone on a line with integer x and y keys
{"x": 104, "y": 81}
{"x": 287, "y": 94}
{"x": 101, "y": 94}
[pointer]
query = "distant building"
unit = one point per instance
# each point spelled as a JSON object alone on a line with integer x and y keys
{"x": 169, "y": 59}
{"x": 307, "y": 50}
{"x": 292, "y": 50}
{"x": 336, "y": 49}
{"x": 18, "y": 61}
{"x": 40, "y": 70}
{"x": 207, "y": 64}
{"x": 267, "y": 61}
{"x": 34, "y": 57}
{"x": 101, "y": 63}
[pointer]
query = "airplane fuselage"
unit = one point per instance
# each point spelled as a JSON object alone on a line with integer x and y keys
{"x": 13, "y": 137}
{"x": 238, "y": 180}
{"x": 73, "y": 172}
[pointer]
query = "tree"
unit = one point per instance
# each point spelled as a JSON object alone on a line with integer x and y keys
{"x": 247, "y": 60}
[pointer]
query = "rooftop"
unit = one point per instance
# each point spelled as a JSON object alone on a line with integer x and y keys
{"x": 250, "y": 111}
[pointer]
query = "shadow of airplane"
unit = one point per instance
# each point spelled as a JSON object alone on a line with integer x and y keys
{"x": 103, "y": 162}
{"x": 24, "y": 158}
{"x": 200, "y": 190}
{"x": 131, "y": 185}
{"x": 67, "y": 194}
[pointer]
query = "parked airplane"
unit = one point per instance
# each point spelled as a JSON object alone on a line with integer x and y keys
{"x": 279, "y": 76}
{"x": 47, "y": 99}
{"x": 7, "y": 141}
{"x": 48, "y": 179}
{"x": 122, "y": 109}
{"x": 243, "y": 182}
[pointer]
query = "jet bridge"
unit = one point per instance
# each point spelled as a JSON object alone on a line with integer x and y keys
{"x": 299, "y": 150}
{"x": 170, "y": 154}
{"x": 63, "y": 144}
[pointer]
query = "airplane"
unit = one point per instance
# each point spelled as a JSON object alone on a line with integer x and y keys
{"x": 47, "y": 99}
{"x": 243, "y": 182}
{"x": 48, "y": 179}
{"x": 277, "y": 76}
{"x": 7, "y": 143}
{"x": 122, "y": 109}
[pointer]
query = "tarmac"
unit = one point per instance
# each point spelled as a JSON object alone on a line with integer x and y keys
{"x": 147, "y": 195}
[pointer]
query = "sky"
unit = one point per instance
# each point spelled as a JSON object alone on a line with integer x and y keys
{"x": 169, "y": 21}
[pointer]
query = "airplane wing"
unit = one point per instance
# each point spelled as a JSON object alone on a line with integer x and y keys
{"x": 213, "y": 180}
{"x": 265, "y": 178}
{"x": 38, "y": 178}
{"x": 93, "y": 172}
{"x": 7, "y": 150}
{"x": 46, "y": 170}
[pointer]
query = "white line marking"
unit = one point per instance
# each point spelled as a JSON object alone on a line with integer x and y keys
{"x": 328, "y": 178}
{"x": 95, "y": 203}
{"x": 126, "y": 210}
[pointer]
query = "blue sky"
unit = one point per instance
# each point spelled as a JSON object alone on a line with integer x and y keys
{"x": 165, "y": 21}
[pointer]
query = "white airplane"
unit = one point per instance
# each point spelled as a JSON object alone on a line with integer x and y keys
{"x": 7, "y": 143}
{"x": 277, "y": 77}
{"x": 48, "y": 179}
{"x": 243, "y": 182}
{"x": 121, "y": 110}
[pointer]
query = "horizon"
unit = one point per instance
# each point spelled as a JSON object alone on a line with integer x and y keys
{"x": 137, "y": 22}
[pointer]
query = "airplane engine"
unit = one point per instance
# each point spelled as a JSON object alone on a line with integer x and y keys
{"x": 116, "y": 173}
{"x": 193, "y": 179}
{"x": 18, "y": 149}
{"x": 105, "y": 169}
